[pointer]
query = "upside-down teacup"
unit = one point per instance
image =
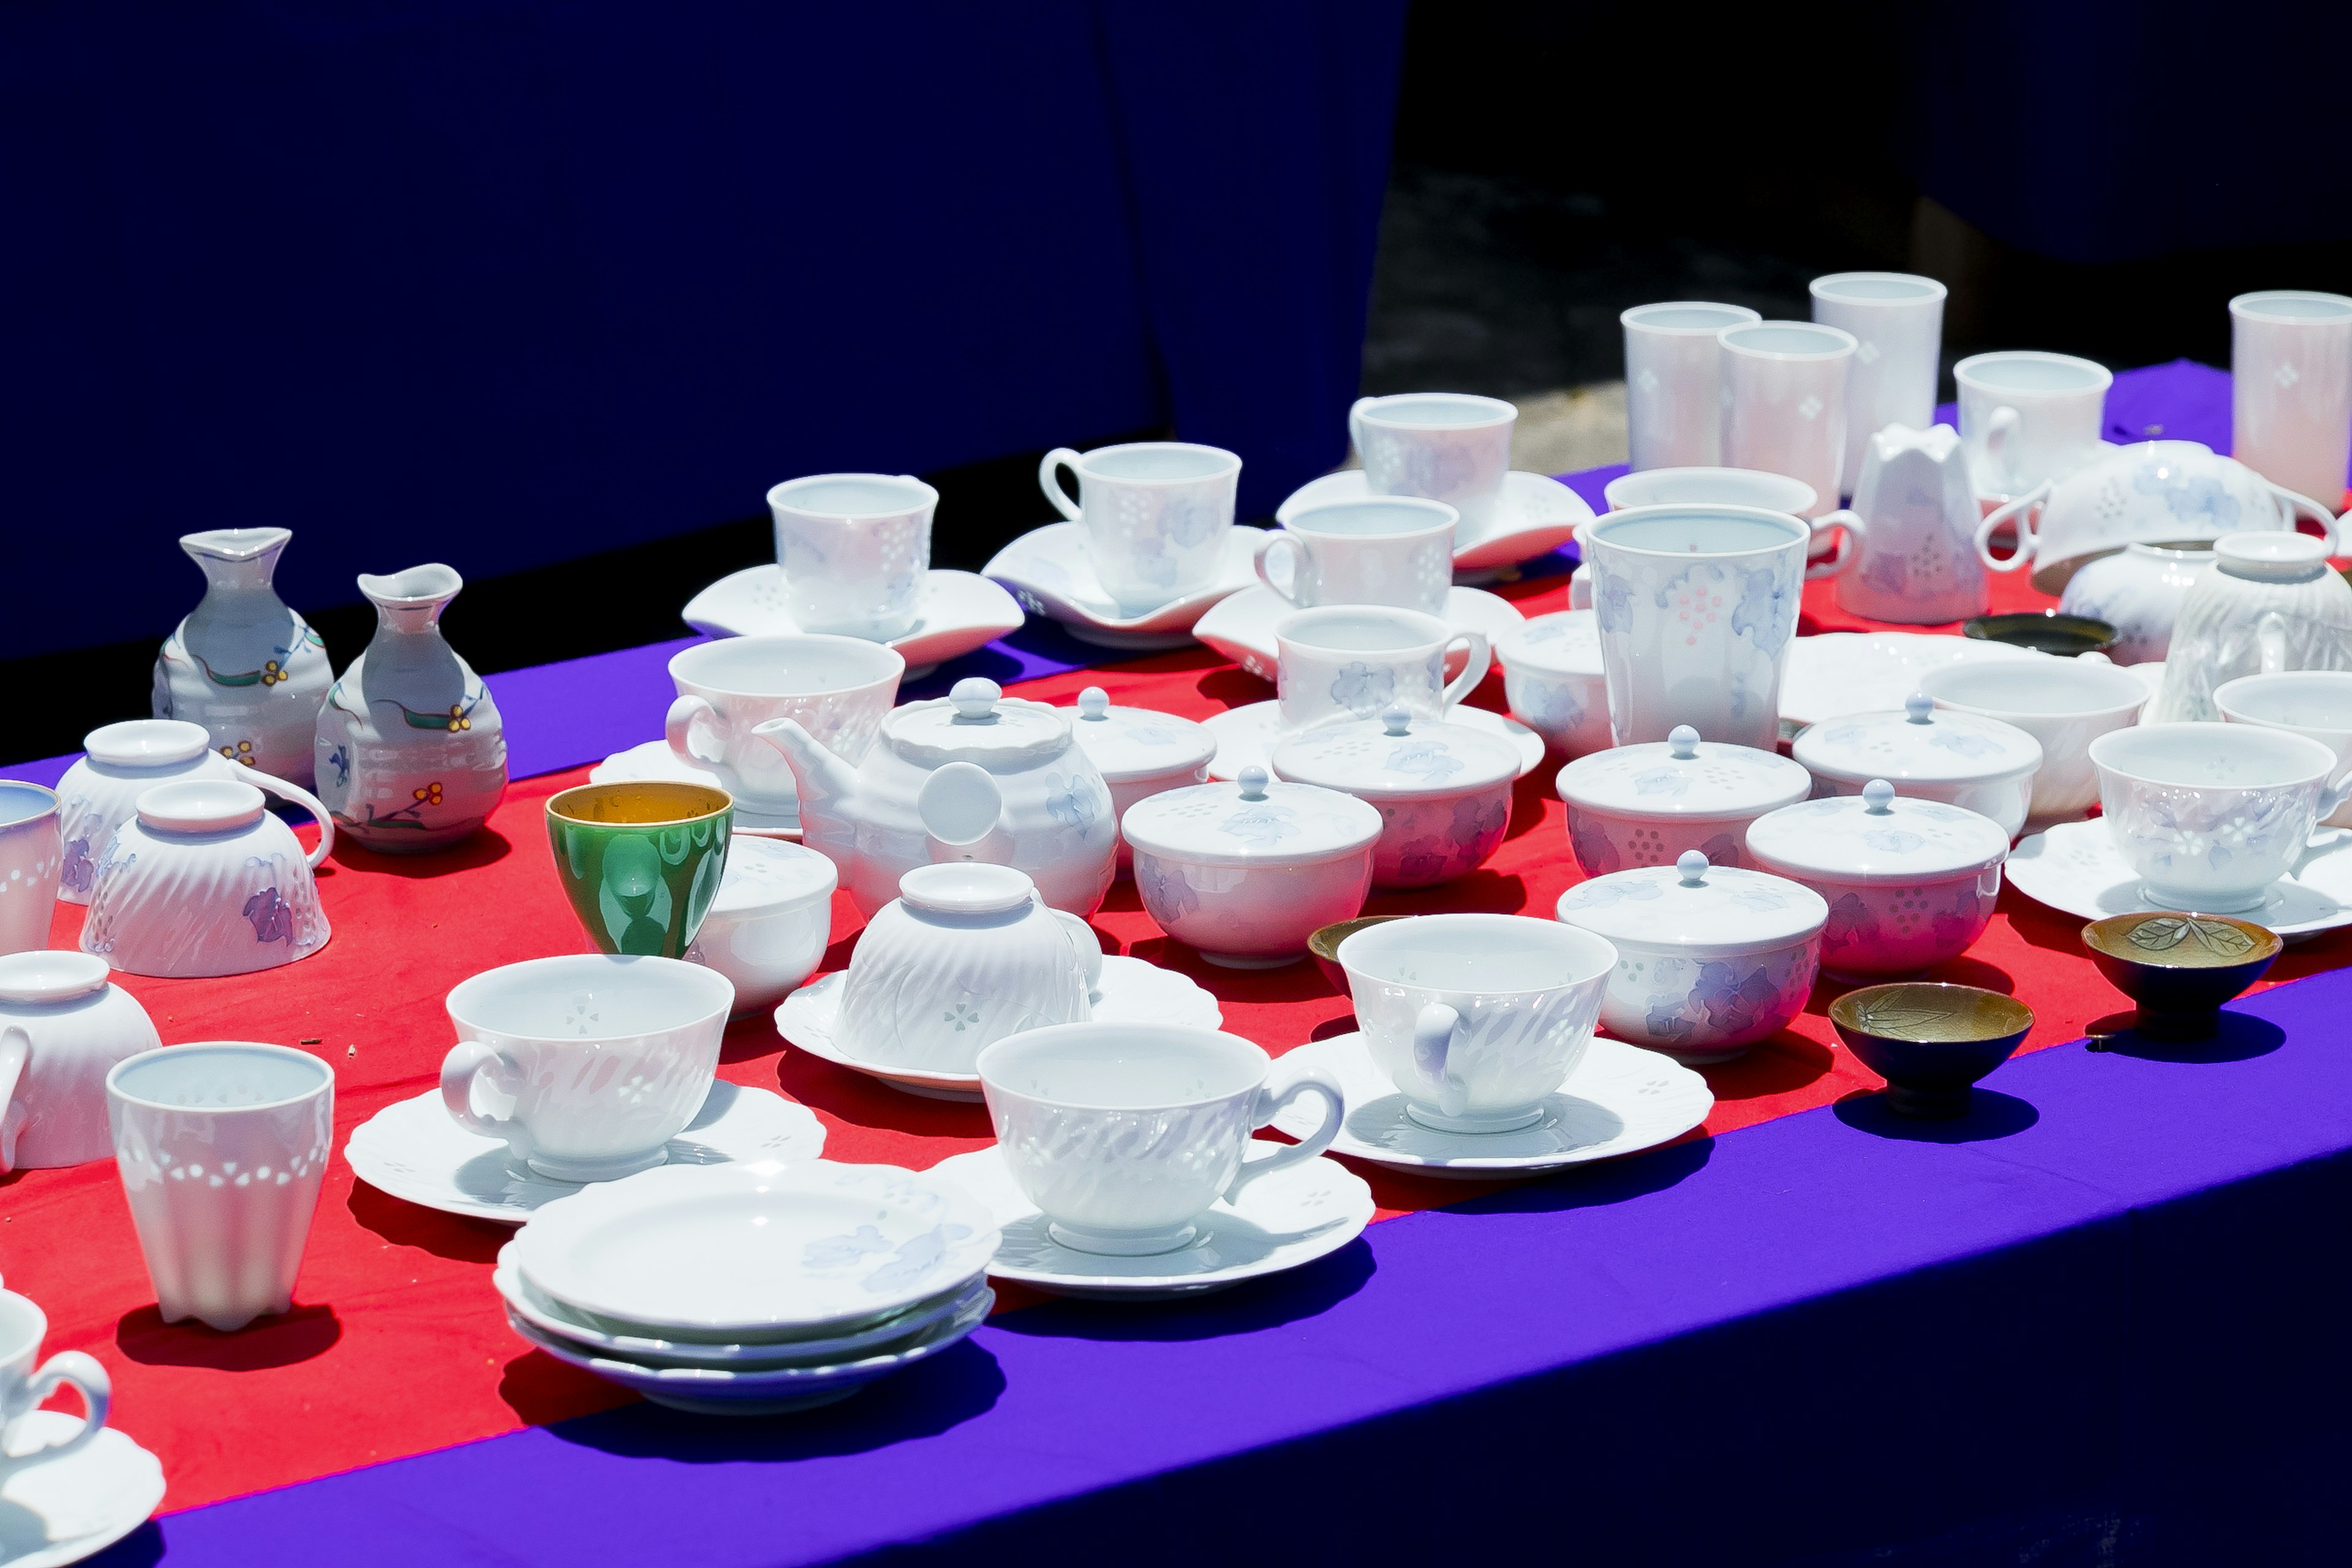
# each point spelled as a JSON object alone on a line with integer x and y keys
{"x": 203, "y": 880}
{"x": 2211, "y": 815}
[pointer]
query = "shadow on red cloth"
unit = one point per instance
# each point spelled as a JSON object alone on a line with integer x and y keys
{"x": 1259, "y": 1304}
{"x": 541, "y": 1389}
{"x": 1991, "y": 1114}
{"x": 1773, "y": 1066}
{"x": 1233, "y": 687}
{"x": 446, "y": 1236}
{"x": 863, "y": 1101}
{"x": 283, "y": 1340}
{"x": 475, "y": 850}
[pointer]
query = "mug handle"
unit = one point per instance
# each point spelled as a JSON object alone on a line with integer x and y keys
{"x": 89, "y": 1380}
{"x": 1473, "y": 668}
{"x": 1050, "y": 481}
{"x": 2299, "y": 505}
{"x": 1433, "y": 1039}
{"x": 1088, "y": 946}
{"x": 467, "y": 1062}
{"x": 294, "y": 794}
{"x": 16, "y": 1050}
{"x": 2019, "y": 509}
{"x": 1853, "y": 534}
{"x": 691, "y": 717}
{"x": 1286, "y": 590}
{"x": 1356, "y": 427}
{"x": 1270, "y": 1104}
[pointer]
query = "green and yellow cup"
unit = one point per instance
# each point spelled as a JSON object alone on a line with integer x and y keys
{"x": 641, "y": 862}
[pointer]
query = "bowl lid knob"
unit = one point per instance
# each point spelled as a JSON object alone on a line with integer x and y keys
{"x": 1920, "y": 707}
{"x": 1253, "y": 783}
{"x": 1094, "y": 703}
{"x": 1681, "y": 743}
{"x": 975, "y": 698}
{"x": 1878, "y": 797}
{"x": 1396, "y": 719}
{"x": 1692, "y": 866}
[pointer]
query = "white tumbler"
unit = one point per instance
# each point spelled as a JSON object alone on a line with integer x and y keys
{"x": 1897, "y": 320}
{"x": 1673, "y": 388}
{"x": 2291, "y": 389}
{"x": 1784, "y": 402}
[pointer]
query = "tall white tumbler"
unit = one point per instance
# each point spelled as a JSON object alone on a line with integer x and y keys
{"x": 1897, "y": 322}
{"x": 1674, "y": 386}
{"x": 2291, "y": 389}
{"x": 1784, "y": 402}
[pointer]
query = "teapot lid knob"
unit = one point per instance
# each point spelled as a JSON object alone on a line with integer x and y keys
{"x": 1917, "y": 707}
{"x": 1253, "y": 783}
{"x": 1396, "y": 719}
{"x": 1878, "y": 797}
{"x": 1681, "y": 743}
{"x": 975, "y": 697}
{"x": 1692, "y": 863}
{"x": 1094, "y": 703}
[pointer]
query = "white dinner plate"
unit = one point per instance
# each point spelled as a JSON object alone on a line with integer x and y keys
{"x": 1047, "y": 572}
{"x": 959, "y": 611}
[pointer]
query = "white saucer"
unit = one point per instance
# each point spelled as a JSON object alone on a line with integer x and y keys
{"x": 1245, "y": 736}
{"x": 654, "y": 760}
{"x": 1048, "y": 572}
{"x": 961, "y": 612}
{"x": 414, "y": 1150}
{"x": 1539, "y": 515}
{"x": 1242, "y": 628}
{"x": 1619, "y": 1100}
{"x": 1836, "y": 673}
{"x": 1282, "y": 1221}
{"x": 772, "y": 1391}
{"x": 62, "y": 1511}
{"x": 2076, "y": 867}
{"x": 1133, "y": 992}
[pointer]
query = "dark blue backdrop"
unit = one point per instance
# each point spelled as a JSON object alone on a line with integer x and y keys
{"x": 506, "y": 283}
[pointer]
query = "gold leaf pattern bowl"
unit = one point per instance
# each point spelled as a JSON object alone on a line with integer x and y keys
{"x": 2179, "y": 967}
{"x": 1930, "y": 1041}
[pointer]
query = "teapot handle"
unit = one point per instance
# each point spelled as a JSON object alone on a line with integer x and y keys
{"x": 2020, "y": 508}
{"x": 2299, "y": 505}
{"x": 16, "y": 1050}
{"x": 294, "y": 794}
{"x": 1854, "y": 533}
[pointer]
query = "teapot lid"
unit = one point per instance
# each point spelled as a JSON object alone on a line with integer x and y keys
{"x": 1876, "y": 836}
{"x": 199, "y": 806}
{"x": 1923, "y": 743}
{"x": 1397, "y": 757}
{"x": 147, "y": 743}
{"x": 1691, "y": 905}
{"x": 51, "y": 975}
{"x": 1253, "y": 821}
{"x": 1683, "y": 777}
{"x": 976, "y": 722}
{"x": 1128, "y": 743}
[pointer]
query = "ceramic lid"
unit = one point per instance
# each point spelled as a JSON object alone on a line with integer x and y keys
{"x": 1683, "y": 777}
{"x": 769, "y": 874}
{"x": 967, "y": 887}
{"x": 1693, "y": 905}
{"x": 976, "y": 722}
{"x": 1567, "y": 642}
{"x": 50, "y": 975}
{"x": 1923, "y": 743}
{"x": 1876, "y": 836}
{"x": 1397, "y": 757}
{"x": 147, "y": 743}
{"x": 1251, "y": 822}
{"x": 1129, "y": 744}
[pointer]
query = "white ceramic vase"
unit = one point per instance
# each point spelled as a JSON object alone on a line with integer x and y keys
{"x": 2269, "y": 602}
{"x": 62, "y": 1026}
{"x": 251, "y": 671}
{"x": 411, "y": 753}
{"x": 203, "y": 882}
{"x": 119, "y": 762}
{"x": 2138, "y": 591}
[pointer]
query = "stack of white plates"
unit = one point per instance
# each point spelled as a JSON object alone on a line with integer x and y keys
{"x": 747, "y": 1289}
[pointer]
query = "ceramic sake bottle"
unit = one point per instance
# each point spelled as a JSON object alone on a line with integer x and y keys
{"x": 410, "y": 752}
{"x": 248, "y": 669}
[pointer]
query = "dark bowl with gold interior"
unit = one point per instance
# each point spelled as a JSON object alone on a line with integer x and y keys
{"x": 1324, "y": 944}
{"x": 1930, "y": 1041}
{"x": 2044, "y": 631}
{"x": 2179, "y": 967}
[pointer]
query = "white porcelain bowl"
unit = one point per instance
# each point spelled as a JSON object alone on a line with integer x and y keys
{"x": 2313, "y": 703}
{"x": 768, "y": 925}
{"x": 2211, "y": 815}
{"x": 1646, "y": 805}
{"x": 1551, "y": 676}
{"x": 1141, "y": 753}
{"x": 203, "y": 881}
{"x": 1443, "y": 791}
{"x": 1982, "y": 765}
{"x": 2063, "y": 703}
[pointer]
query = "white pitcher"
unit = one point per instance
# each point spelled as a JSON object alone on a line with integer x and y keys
{"x": 1918, "y": 503}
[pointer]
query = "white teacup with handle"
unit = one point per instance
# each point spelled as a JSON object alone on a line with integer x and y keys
{"x": 26, "y": 1381}
{"x": 1450, "y": 447}
{"x": 1157, "y": 515}
{"x": 1376, "y": 550}
{"x": 1351, "y": 662}
{"x": 839, "y": 689}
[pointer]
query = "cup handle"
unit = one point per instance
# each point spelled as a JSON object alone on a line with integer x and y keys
{"x": 1356, "y": 427}
{"x": 690, "y": 719}
{"x": 1088, "y": 945}
{"x": 1853, "y": 532}
{"x": 296, "y": 795}
{"x": 15, "y": 1049}
{"x": 1473, "y": 668}
{"x": 2019, "y": 509}
{"x": 1050, "y": 481}
{"x": 2270, "y": 639}
{"x": 89, "y": 1380}
{"x": 2299, "y": 505}
{"x": 1287, "y": 589}
{"x": 1433, "y": 1041}
{"x": 1270, "y": 1104}
{"x": 467, "y": 1062}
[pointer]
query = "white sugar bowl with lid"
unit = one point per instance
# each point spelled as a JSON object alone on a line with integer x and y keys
{"x": 1646, "y": 804}
{"x": 1710, "y": 959}
{"x": 1551, "y": 676}
{"x": 1141, "y": 753}
{"x": 1930, "y": 754}
{"x": 1443, "y": 791}
{"x": 767, "y": 925}
{"x": 1246, "y": 871}
{"x": 1909, "y": 882}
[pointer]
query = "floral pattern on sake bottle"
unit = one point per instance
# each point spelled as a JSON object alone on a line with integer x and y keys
{"x": 410, "y": 752}
{"x": 242, "y": 664}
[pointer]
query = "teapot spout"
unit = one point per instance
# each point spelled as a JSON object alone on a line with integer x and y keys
{"x": 821, "y": 778}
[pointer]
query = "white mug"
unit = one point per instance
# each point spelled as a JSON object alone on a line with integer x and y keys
{"x": 1477, "y": 1018}
{"x": 585, "y": 1065}
{"x": 1157, "y": 515}
{"x": 222, "y": 1146}
{"x": 32, "y": 856}
{"x": 1376, "y": 550}
{"x": 855, "y": 549}
{"x": 840, "y": 689}
{"x": 1124, "y": 1134}
{"x": 1450, "y": 447}
{"x": 23, "y": 1385}
{"x": 2027, "y": 416}
{"x": 1897, "y": 318}
{"x": 2291, "y": 389}
{"x": 1784, "y": 403}
{"x": 1351, "y": 662}
{"x": 2211, "y": 815}
{"x": 1674, "y": 382}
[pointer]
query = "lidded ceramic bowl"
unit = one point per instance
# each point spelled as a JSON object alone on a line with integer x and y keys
{"x": 767, "y": 924}
{"x": 1246, "y": 871}
{"x": 1710, "y": 959}
{"x": 1443, "y": 791}
{"x": 1909, "y": 882}
{"x": 1551, "y": 675}
{"x": 1139, "y": 752}
{"x": 1962, "y": 759}
{"x": 1644, "y": 806}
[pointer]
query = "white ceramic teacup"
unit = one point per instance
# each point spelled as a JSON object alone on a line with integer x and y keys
{"x": 840, "y": 689}
{"x": 1349, "y": 662}
{"x": 1784, "y": 401}
{"x": 2063, "y": 703}
{"x": 1477, "y": 1018}
{"x": 1156, "y": 513}
{"x": 855, "y": 549}
{"x": 2027, "y": 416}
{"x": 2211, "y": 815}
{"x": 1450, "y": 447}
{"x": 32, "y": 853}
{"x": 1373, "y": 549}
{"x": 1673, "y": 381}
{"x": 24, "y": 1384}
{"x": 1711, "y": 487}
{"x": 586, "y": 1065}
{"x": 2313, "y": 703}
{"x": 1124, "y": 1134}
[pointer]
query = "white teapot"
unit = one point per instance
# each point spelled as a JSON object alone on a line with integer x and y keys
{"x": 1052, "y": 816}
{"x": 1918, "y": 505}
{"x": 62, "y": 1025}
{"x": 121, "y": 762}
{"x": 203, "y": 882}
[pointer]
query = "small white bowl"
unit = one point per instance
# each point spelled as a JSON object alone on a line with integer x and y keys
{"x": 1982, "y": 765}
{"x": 1909, "y": 883}
{"x": 2313, "y": 703}
{"x": 1551, "y": 676}
{"x": 1248, "y": 871}
{"x": 1710, "y": 959}
{"x": 1646, "y": 805}
{"x": 2063, "y": 703}
{"x": 1443, "y": 791}
{"x": 767, "y": 926}
{"x": 1141, "y": 753}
